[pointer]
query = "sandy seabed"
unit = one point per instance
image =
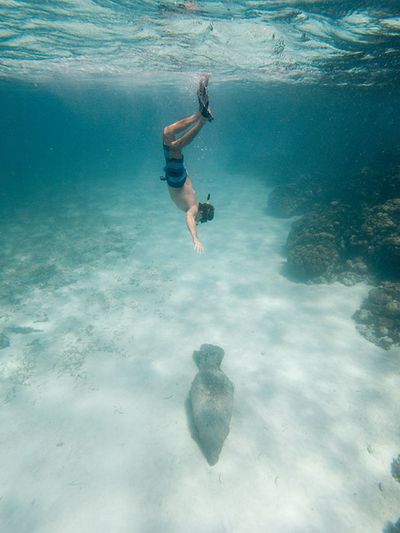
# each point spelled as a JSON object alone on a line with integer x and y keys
{"x": 104, "y": 302}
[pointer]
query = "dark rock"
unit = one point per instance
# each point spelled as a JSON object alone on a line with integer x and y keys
{"x": 378, "y": 318}
{"x": 378, "y": 238}
{"x": 392, "y": 528}
{"x": 316, "y": 246}
{"x": 308, "y": 262}
{"x": 395, "y": 468}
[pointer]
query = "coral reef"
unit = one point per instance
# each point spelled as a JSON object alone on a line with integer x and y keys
{"x": 378, "y": 319}
{"x": 349, "y": 232}
{"x": 379, "y": 238}
{"x": 315, "y": 244}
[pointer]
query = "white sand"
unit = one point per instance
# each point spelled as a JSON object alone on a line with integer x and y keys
{"x": 94, "y": 435}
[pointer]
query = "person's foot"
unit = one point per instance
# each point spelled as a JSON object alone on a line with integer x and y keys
{"x": 202, "y": 94}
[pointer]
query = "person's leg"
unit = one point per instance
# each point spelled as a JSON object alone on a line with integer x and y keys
{"x": 180, "y": 125}
{"x": 188, "y": 137}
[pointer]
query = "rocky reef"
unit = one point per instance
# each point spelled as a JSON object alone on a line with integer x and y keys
{"x": 349, "y": 232}
{"x": 378, "y": 319}
{"x": 378, "y": 238}
{"x": 318, "y": 247}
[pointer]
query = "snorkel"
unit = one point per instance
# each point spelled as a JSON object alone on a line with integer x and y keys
{"x": 206, "y": 211}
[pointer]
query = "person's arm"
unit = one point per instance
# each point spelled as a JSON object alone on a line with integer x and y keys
{"x": 191, "y": 224}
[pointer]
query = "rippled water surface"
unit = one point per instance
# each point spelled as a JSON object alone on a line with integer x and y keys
{"x": 347, "y": 42}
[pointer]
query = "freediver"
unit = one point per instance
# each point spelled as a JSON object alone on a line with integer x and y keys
{"x": 180, "y": 186}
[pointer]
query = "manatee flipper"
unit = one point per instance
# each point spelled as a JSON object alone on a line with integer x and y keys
{"x": 211, "y": 402}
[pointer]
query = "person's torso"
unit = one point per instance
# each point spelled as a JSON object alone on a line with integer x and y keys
{"x": 184, "y": 197}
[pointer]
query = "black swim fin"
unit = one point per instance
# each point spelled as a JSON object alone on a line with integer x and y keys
{"x": 202, "y": 95}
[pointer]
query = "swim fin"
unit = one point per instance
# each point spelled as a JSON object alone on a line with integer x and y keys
{"x": 202, "y": 95}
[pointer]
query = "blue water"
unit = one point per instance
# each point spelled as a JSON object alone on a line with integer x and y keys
{"x": 274, "y": 131}
{"x": 103, "y": 299}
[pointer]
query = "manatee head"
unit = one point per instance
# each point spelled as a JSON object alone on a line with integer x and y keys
{"x": 208, "y": 357}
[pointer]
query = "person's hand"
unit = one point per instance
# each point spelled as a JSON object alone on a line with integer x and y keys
{"x": 198, "y": 247}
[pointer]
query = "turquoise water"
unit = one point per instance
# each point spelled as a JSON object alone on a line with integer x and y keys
{"x": 104, "y": 300}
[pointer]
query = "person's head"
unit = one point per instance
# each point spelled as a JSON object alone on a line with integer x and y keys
{"x": 205, "y": 212}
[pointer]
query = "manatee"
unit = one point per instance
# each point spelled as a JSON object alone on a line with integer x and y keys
{"x": 210, "y": 402}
